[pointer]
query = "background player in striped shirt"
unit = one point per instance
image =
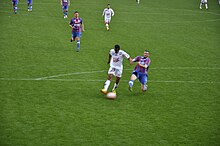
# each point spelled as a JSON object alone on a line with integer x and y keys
{"x": 65, "y": 4}
{"x": 29, "y": 5}
{"x": 77, "y": 26}
{"x": 140, "y": 71}
{"x": 116, "y": 57}
{"x": 108, "y": 13}
{"x": 15, "y": 5}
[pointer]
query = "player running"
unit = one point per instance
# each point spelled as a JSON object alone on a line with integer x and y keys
{"x": 77, "y": 26}
{"x": 116, "y": 57}
{"x": 29, "y": 5}
{"x": 205, "y": 2}
{"x": 107, "y": 13}
{"x": 15, "y": 6}
{"x": 140, "y": 71}
{"x": 65, "y": 4}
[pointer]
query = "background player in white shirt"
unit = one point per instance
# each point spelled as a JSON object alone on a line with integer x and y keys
{"x": 116, "y": 57}
{"x": 107, "y": 13}
{"x": 205, "y": 2}
{"x": 138, "y": 1}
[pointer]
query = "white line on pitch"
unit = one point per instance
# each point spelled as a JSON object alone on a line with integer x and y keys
{"x": 88, "y": 80}
{"x": 75, "y": 73}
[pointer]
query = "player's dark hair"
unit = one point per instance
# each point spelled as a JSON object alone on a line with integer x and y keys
{"x": 117, "y": 47}
{"x": 76, "y": 12}
{"x": 146, "y": 51}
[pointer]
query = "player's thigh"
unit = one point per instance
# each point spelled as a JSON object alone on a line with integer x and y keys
{"x": 65, "y": 8}
{"x": 78, "y": 35}
{"x": 29, "y": 1}
{"x": 14, "y": 3}
{"x": 118, "y": 73}
{"x": 143, "y": 79}
{"x": 111, "y": 71}
{"x": 107, "y": 20}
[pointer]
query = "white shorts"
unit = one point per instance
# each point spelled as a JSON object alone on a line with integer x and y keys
{"x": 115, "y": 72}
{"x": 203, "y": 1}
{"x": 107, "y": 20}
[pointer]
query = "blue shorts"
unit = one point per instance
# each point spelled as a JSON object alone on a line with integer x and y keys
{"x": 65, "y": 7}
{"x": 142, "y": 77}
{"x": 29, "y": 1}
{"x": 14, "y": 2}
{"x": 76, "y": 34}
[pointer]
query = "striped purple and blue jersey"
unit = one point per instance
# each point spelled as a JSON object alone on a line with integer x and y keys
{"x": 143, "y": 61}
{"x": 76, "y": 22}
{"x": 65, "y": 2}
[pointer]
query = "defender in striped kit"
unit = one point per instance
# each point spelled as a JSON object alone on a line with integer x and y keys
{"x": 140, "y": 71}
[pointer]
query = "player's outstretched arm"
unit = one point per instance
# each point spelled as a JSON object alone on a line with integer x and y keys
{"x": 83, "y": 27}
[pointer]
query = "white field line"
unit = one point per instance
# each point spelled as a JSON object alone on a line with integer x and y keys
{"x": 53, "y": 77}
{"x": 88, "y": 80}
{"x": 162, "y": 68}
{"x": 75, "y": 73}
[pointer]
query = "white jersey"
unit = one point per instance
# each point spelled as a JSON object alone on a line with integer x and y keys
{"x": 117, "y": 59}
{"x": 203, "y": 1}
{"x": 108, "y": 13}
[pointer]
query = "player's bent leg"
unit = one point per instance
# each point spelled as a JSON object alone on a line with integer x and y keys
{"x": 116, "y": 84}
{"x": 107, "y": 84}
{"x": 143, "y": 80}
{"x": 131, "y": 82}
{"x": 144, "y": 87}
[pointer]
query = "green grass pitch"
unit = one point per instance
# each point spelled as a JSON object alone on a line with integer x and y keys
{"x": 50, "y": 93}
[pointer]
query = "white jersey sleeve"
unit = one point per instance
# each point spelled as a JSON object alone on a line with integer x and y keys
{"x": 117, "y": 59}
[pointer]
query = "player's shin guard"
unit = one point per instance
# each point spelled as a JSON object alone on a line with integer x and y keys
{"x": 30, "y": 8}
{"x": 115, "y": 86}
{"x": 78, "y": 45}
{"x": 131, "y": 83}
{"x": 106, "y": 85}
{"x": 15, "y": 9}
{"x": 206, "y": 6}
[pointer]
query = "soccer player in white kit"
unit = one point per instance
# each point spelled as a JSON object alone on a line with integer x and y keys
{"x": 108, "y": 13}
{"x": 116, "y": 57}
{"x": 205, "y": 2}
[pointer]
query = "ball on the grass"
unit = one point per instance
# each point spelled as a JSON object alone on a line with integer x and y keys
{"x": 111, "y": 95}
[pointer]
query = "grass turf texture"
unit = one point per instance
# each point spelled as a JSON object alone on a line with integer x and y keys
{"x": 50, "y": 93}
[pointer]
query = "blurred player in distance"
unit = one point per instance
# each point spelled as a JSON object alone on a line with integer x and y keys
{"x": 108, "y": 13}
{"x": 15, "y": 6}
{"x": 115, "y": 60}
{"x": 77, "y": 26}
{"x": 203, "y": 2}
{"x": 138, "y": 1}
{"x": 29, "y": 5}
{"x": 65, "y": 4}
{"x": 140, "y": 71}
